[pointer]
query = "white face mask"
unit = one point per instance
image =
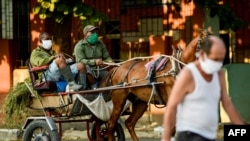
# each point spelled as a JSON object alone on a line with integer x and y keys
{"x": 210, "y": 66}
{"x": 47, "y": 44}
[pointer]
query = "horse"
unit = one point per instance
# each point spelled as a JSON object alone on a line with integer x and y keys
{"x": 159, "y": 84}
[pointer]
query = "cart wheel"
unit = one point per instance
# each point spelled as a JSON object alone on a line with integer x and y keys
{"x": 38, "y": 130}
{"x": 119, "y": 133}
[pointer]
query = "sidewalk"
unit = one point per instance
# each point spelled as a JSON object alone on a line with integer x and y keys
{"x": 145, "y": 131}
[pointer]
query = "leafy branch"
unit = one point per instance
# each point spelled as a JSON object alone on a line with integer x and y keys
{"x": 228, "y": 19}
{"x": 59, "y": 9}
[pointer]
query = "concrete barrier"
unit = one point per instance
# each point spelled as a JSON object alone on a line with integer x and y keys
{"x": 10, "y": 134}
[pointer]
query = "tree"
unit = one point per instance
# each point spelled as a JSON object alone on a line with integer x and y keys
{"x": 62, "y": 12}
{"x": 228, "y": 19}
{"x": 60, "y": 9}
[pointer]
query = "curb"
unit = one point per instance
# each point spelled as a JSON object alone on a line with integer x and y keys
{"x": 10, "y": 134}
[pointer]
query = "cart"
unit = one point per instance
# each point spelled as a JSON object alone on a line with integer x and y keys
{"x": 52, "y": 109}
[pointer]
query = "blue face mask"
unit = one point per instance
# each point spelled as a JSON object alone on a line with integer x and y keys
{"x": 93, "y": 38}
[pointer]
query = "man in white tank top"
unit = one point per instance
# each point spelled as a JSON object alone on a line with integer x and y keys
{"x": 193, "y": 103}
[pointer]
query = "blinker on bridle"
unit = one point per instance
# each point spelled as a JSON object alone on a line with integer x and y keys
{"x": 205, "y": 34}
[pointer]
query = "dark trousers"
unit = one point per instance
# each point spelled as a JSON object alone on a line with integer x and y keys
{"x": 189, "y": 136}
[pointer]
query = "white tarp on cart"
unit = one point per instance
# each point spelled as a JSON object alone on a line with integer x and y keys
{"x": 99, "y": 107}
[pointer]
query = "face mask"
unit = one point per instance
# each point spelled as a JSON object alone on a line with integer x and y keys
{"x": 93, "y": 38}
{"x": 210, "y": 66}
{"x": 47, "y": 44}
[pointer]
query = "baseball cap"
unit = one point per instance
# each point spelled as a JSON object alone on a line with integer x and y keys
{"x": 89, "y": 28}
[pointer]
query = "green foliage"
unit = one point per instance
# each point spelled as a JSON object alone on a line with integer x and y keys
{"x": 59, "y": 9}
{"x": 228, "y": 19}
{"x": 16, "y": 102}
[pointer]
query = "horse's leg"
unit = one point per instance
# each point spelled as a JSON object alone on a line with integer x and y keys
{"x": 118, "y": 99}
{"x": 138, "y": 109}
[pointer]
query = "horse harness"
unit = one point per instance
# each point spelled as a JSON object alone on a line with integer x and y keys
{"x": 151, "y": 76}
{"x": 129, "y": 69}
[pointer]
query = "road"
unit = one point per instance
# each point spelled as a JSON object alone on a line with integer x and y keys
{"x": 141, "y": 139}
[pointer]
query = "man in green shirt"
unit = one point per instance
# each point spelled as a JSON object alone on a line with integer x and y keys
{"x": 44, "y": 55}
{"x": 92, "y": 52}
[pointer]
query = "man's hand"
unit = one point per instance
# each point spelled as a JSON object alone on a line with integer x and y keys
{"x": 60, "y": 55}
{"x": 98, "y": 62}
{"x": 57, "y": 56}
{"x": 110, "y": 63}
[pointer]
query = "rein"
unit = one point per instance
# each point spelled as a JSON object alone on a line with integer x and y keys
{"x": 171, "y": 72}
{"x": 154, "y": 91}
{"x": 143, "y": 58}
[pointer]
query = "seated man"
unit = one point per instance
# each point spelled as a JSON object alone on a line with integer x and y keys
{"x": 92, "y": 52}
{"x": 44, "y": 55}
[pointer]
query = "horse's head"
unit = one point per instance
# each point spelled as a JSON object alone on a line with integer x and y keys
{"x": 189, "y": 54}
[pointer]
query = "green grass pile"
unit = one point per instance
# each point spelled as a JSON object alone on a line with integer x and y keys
{"x": 16, "y": 103}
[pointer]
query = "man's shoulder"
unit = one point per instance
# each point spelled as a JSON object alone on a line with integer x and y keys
{"x": 185, "y": 74}
{"x": 100, "y": 43}
{"x": 36, "y": 49}
{"x": 186, "y": 71}
{"x": 81, "y": 42}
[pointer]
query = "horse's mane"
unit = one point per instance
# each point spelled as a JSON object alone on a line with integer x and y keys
{"x": 204, "y": 33}
{"x": 188, "y": 55}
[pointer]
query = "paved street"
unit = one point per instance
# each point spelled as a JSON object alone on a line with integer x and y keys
{"x": 141, "y": 139}
{"x": 145, "y": 131}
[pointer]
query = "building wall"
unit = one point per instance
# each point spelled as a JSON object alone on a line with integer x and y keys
{"x": 5, "y": 73}
{"x": 139, "y": 24}
{"x": 182, "y": 24}
{"x": 242, "y": 42}
{"x": 36, "y": 25}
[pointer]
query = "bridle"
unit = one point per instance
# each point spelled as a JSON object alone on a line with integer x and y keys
{"x": 203, "y": 35}
{"x": 178, "y": 54}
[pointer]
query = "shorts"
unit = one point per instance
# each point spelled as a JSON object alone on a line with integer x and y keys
{"x": 190, "y": 136}
{"x": 53, "y": 73}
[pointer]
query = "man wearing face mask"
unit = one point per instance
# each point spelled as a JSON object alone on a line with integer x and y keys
{"x": 92, "y": 52}
{"x": 195, "y": 97}
{"x": 44, "y": 55}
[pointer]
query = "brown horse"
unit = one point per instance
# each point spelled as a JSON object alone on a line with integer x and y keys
{"x": 134, "y": 73}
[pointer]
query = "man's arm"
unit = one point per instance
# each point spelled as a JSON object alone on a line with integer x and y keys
{"x": 80, "y": 56}
{"x": 37, "y": 59}
{"x": 181, "y": 87}
{"x": 227, "y": 103}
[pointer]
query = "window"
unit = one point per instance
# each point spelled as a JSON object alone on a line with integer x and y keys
{"x": 6, "y": 31}
{"x": 112, "y": 29}
{"x": 143, "y": 3}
